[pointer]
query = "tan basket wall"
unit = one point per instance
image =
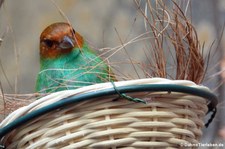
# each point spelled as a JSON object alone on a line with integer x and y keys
{"x": 167, "y": 121}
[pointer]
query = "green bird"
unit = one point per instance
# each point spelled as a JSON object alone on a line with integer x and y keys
{"x": 67, "y": 62}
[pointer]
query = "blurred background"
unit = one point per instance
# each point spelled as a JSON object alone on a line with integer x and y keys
{"x": 103, "y": 24}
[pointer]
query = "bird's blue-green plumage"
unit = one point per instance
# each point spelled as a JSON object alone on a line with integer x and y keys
{"x": 80, "y": 67}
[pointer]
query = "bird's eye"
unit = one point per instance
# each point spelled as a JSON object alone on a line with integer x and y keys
{"x": 48, "y": 43}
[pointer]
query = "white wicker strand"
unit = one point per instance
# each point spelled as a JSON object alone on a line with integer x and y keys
{"x": 166, "y": 121}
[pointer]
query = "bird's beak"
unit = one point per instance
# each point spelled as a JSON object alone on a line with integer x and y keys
{"x": 67, "y": 43}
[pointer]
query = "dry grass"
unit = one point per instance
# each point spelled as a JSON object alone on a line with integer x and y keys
{"x": 13, "y": 102}
{"x": 172, "y": 46}
{"x": 175, "y": 44}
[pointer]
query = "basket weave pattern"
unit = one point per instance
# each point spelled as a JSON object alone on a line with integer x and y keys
{"x": 166, "y": 121}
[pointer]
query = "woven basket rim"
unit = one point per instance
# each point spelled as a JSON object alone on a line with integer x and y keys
{"x": 63, "y": 98}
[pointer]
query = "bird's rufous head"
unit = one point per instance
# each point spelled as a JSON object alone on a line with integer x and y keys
{"x": 58, "y": 39}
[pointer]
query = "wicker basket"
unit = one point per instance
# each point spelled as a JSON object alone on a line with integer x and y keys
{"x": 97, "y": 117}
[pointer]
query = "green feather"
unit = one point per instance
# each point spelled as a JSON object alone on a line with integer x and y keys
{"x": 79, "y": 68}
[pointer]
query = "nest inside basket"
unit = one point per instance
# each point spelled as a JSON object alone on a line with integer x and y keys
{"x": 12, "y": 102}
{"x": 171, "y": 36}
{"x": 169, "y": 119}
